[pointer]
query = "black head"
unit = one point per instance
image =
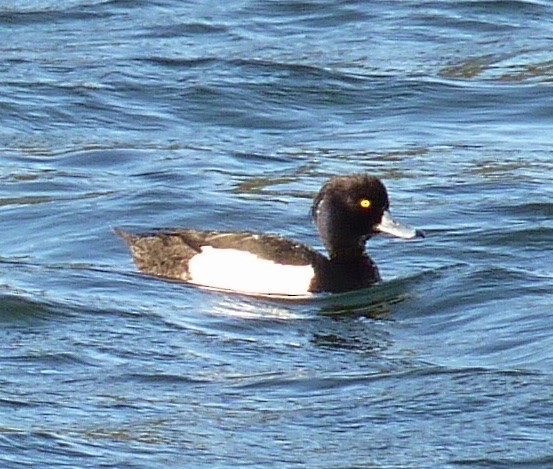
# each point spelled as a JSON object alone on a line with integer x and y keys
{"x": 350, "y": 209}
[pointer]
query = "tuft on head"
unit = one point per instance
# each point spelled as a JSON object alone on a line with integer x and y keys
{"x": 355, "y": 187}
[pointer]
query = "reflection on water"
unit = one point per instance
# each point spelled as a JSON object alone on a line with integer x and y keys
{"x": 374, "y": 302}
{"x": 524, "y": 66}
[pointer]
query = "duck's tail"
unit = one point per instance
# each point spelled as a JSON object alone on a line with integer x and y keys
{"x": 127, "y": 237}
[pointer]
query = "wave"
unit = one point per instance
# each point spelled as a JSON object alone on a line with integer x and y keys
{"x": 16, "y": 308}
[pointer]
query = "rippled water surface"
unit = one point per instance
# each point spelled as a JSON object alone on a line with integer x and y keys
{"x": 230, "y": 115}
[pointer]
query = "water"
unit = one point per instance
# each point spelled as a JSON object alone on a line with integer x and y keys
{"x": 230, "y": 115}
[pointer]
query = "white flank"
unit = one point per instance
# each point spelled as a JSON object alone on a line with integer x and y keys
{"x": 231, "y": 269}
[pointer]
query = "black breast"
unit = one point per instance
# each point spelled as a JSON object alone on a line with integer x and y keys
{"x": 341, "y": 275}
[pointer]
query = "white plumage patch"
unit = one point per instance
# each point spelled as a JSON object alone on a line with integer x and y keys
{"x": 232, "y": 269}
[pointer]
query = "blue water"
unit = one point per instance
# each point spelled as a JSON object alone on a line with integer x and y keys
{"x": 230, "y": 115}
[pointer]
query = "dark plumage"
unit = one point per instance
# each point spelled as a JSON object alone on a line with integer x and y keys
{"x": 348, "y": 210}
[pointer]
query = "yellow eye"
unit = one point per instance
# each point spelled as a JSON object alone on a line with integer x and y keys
{"x": 365, "y": 203}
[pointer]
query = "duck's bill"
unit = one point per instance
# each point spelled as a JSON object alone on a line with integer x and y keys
{"x": 389, "y": 226}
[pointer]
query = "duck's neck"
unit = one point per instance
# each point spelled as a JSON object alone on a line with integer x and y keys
{"x": 348, "y": 253}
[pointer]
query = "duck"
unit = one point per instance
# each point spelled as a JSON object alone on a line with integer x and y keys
{"x": 348, "y": 211}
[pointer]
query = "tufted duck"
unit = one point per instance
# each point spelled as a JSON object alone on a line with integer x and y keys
{"x": 348, "y": 210}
